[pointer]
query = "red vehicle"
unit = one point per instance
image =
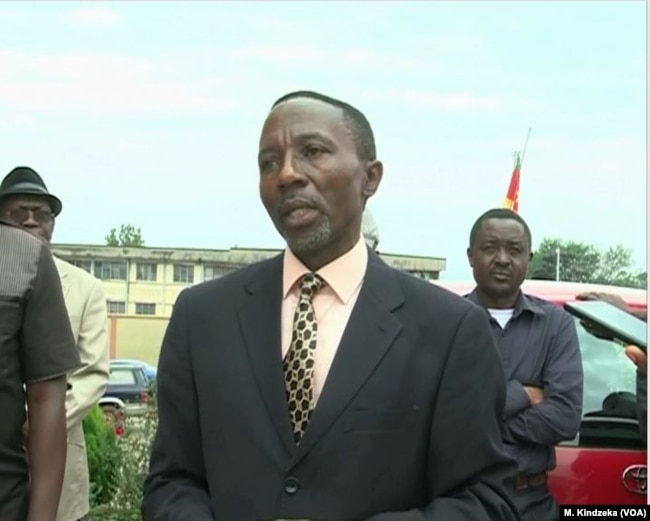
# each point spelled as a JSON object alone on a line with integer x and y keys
{"x": 606, "y": 463}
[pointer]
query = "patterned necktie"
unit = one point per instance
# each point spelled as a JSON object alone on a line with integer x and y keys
{"x": 299, "y": 361}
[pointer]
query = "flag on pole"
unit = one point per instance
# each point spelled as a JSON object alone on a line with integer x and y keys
{"x": 511, "y": 200}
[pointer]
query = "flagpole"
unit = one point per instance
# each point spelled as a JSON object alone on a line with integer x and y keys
{"x": 525, "y": 146}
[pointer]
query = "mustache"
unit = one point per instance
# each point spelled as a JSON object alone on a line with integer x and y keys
{"x": 292, "y": 202}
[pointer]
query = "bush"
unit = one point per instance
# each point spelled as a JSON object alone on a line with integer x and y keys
{"x": 103, "y": 456}
{"x": 133, "y": 449}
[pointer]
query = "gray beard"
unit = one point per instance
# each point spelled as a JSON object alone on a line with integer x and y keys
{"x": 312, "y": 242}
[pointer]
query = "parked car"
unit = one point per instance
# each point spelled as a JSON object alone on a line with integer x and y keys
{"x": 130, "y": 386}
{"x": 149, "y": 371}
{"x": 606, "y": 463}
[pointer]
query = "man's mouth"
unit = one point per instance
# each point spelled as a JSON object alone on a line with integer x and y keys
{"x": 297, "y": 213}
{"x": 291, "y": 205}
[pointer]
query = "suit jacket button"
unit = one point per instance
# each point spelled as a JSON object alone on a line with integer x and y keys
{"x": 291, "y": 486}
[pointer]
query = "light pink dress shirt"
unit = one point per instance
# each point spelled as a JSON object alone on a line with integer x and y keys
{"x": 333, "y": 304}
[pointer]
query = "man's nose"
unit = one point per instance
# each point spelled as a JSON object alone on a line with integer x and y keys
{"x": 290, "y": 172}
{"x": 502, "y": 257}
{"x": 30, "y": 221}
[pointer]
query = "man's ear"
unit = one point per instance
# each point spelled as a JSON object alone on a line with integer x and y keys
{"x": 374, "y": 174}
{"x": 469, "y": 257}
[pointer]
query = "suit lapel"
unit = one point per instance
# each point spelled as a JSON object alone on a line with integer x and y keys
{"x": 369, "y": 334}
{"x": 63, "y": 275}
{"x": 260, "y": 322}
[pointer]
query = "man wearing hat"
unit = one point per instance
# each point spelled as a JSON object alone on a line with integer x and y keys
{"x": 26, "y": 202}
{"x": 36, "y": 352}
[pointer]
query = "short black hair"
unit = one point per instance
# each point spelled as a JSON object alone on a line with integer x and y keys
{"x": 499, "y": 213}
{"x": 353, "y": 118}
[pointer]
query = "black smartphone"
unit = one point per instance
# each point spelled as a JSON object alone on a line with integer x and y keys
{"x": 611, "y": 322}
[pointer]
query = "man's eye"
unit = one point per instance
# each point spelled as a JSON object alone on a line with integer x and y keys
{"x": 268, "y": 165}
{"x": 312, "y": 152}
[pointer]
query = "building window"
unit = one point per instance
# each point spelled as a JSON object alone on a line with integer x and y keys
{"x": 83, "y": 264}
{"x": 146, "y": 271}
{"x": 110, "y": 270}
{"x": 184, "y": 273}
{"x": 213, "y": 271}
{"x": 145, "y": 308}
{"x": 116, "y": 307}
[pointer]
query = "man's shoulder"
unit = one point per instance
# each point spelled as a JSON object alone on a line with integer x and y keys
{"x": 17, "y": 236}
{"x": 21, "y": 257}
{"x": 548, "y": 309}
{"x": 80, "y": 275}
{"x": 430, "y": 293}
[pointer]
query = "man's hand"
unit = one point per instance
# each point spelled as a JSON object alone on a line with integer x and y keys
{"x": 639, "y": 358}
{"x": 535, "y": 394}
{"x": 641, "y": 314}
{"x": 610, "y": 298}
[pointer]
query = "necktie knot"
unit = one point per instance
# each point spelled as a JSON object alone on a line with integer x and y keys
{"x": 310, "y": 283}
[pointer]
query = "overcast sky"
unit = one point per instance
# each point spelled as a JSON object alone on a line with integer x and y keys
{"x": 150, "y": 113}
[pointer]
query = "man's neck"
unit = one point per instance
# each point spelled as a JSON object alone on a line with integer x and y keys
{"x": 491, "y": 302}
{"x": 314, "y": 261}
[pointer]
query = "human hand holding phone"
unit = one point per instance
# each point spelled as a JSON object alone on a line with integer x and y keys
{"x": 639, "y": 358}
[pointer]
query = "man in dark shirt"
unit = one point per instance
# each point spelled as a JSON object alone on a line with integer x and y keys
{"x": 37, "y": 350}
{"x": 539, "y": 348}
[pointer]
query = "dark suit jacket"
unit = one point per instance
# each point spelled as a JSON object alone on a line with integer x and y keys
{"x": 407, "y": 426}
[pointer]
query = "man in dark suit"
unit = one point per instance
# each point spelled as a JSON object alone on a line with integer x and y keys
{"x": 322, "y": 384}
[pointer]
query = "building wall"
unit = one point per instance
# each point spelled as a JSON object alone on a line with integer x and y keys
{"x": 136, "y": 337}
{"x": 139, "y": 309}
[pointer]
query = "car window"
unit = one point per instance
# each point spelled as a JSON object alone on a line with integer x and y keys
{"x": 607, "y": 371}
{"x": 122, "y": 376}
{"x": 609, "y": 414}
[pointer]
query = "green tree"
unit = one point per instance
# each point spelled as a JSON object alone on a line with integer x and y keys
{"x": 128, "y": 235}
{"x": 633, "y": 280}
{"x": 642, "y": 280}
{"x": 615, "y": 264}
{"x": 580, "y": 262}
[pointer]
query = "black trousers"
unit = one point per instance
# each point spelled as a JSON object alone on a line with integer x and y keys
{"x": 537, "y": 504}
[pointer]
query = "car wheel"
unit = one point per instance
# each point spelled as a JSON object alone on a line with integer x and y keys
{"x": 111, "y": 414}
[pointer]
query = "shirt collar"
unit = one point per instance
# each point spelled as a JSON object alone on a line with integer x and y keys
{"x": 343, "y": 274}
{"x": 523, "y": 303}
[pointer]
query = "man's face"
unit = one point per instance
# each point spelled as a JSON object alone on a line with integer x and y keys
{"x": 30, "y": 212}
{"x": 499, "y": 257}
{"x": 312, "y": 180}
